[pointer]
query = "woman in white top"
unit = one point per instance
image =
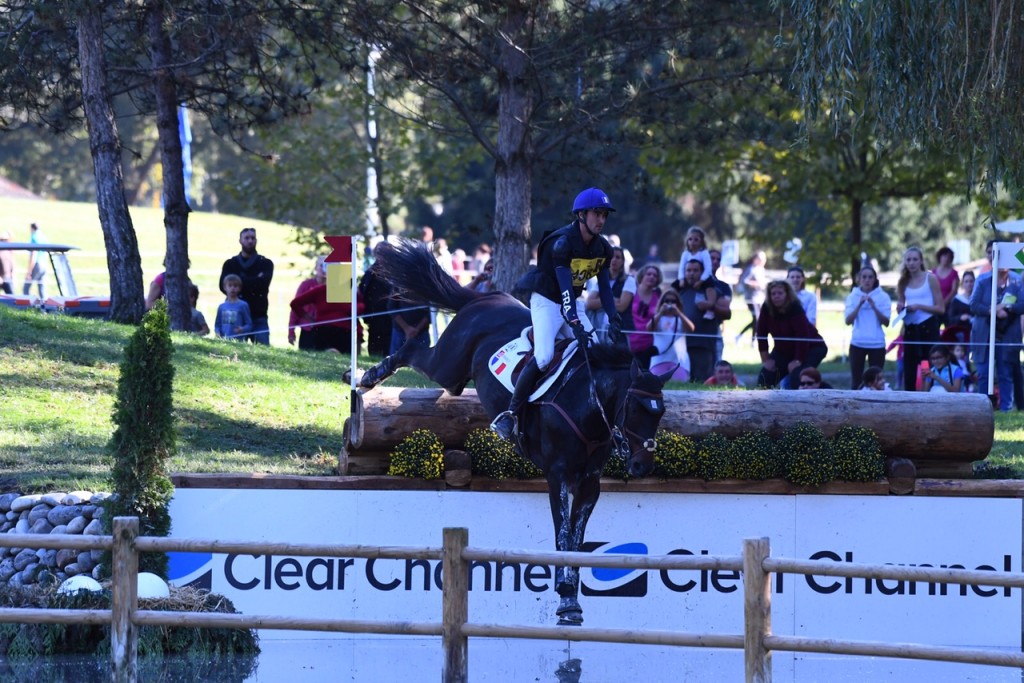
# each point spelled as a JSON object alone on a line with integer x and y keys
{"x": 868, "y": 309}
{"x": 920, "y": 299}
{"x": 623, "y": 289}
{"x": 670, "y": 326}
{"x": 796, "y": 277}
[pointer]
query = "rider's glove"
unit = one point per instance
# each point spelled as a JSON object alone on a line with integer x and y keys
{"x": 615, "y": 328}
{"x": 578, "y": 331}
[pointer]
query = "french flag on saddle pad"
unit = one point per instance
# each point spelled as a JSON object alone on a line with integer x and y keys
{"x": 498, "y": 358}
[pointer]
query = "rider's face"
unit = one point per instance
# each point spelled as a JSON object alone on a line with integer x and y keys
{"x": 595, "y": 219}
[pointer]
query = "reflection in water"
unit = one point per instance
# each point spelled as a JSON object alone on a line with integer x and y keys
{"x": 151, "y": 669}
{"x": 404, "y": 659}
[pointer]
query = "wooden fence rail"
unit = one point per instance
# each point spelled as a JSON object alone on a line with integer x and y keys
{"x": 455, "y": 628}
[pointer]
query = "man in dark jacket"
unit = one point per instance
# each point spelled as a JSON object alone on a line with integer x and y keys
{"x": 256, "y": 272}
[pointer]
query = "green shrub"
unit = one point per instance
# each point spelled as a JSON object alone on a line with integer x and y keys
{"x": 858, "y": 455}
{"x": 753, "y": 456}
{"x": 806, "y": 455}
{"x": 615, "y": 467}
{"x": 494, "y": 457}
{"x": 144, "y": 437}
{"x": 675, "y": 456}
{"x": 713, "y": 458}
{"x": 421, "y": 454}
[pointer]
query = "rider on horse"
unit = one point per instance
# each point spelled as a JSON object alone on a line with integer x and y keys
{"x": 566, "y": 259}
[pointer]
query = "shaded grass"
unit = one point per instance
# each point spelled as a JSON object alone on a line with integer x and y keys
{"x": 239, "y": 408}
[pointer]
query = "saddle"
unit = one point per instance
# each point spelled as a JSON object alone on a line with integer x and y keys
{"x": 507, "y": 363}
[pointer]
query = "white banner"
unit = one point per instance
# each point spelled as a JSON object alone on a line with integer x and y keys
{"x": 939, "y": 532}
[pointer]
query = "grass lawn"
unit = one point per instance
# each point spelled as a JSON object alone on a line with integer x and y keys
{"x": 240, "y": 408}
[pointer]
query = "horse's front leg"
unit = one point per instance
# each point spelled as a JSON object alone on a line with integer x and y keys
{"x": 566, "y": 578}
{"x": 568, "y": 584}
{"x": 389, "y": 366}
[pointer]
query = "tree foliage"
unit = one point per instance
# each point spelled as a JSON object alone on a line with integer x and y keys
{"x": 948, "y": 73}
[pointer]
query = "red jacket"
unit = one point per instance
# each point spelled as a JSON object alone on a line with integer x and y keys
{"x": 324, "y": 312}
{"x": 792, "y": 333}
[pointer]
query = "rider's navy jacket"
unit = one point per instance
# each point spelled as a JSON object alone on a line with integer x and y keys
{"x": 564, "y": 248}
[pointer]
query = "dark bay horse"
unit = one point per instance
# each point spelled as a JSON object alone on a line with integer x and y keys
{"x": 568, "y": 432}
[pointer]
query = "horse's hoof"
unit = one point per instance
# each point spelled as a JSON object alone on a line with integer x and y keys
{"x": 571, "y": 619}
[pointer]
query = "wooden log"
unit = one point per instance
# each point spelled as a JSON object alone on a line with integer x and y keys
{"x": 924, "y": 427}
{"x": 901, "y": 474}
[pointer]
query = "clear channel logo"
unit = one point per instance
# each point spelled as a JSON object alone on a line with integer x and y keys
{"x": 190, "y": 569}
{"x": 613, "y": 582}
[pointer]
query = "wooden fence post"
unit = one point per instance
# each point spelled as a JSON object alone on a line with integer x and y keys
{"x": 757, "y": 609}
{"x": 124, "y": 600}
{"x": 455, "y": 590}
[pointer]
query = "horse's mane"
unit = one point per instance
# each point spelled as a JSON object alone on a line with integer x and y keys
{"x": 610, "y": 356}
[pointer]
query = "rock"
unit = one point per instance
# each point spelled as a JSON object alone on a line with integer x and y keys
{"x": 62, "y": 514}
{"x": 38, "y": 512}
{"x": 6, "y": 499}
{"x": 10, "y": 515}
{"x": 76, "y": 526}
{"x": 22, "y": 503}
{"x": 7, "y": 569}
{"x": 41, "y": 527}
{"x": 85, "y": 563}
{"x": 93, "y": 528}
{"x": 30, "y": 573}
{"x": 76, "y": 498}
{"x": 49, "y": 558}
{"x": 24, "y": 559}
{"x": 21, "y": 526}
{"x": 97, "y": 556}
{"x": 98, "y": 512}
{"x": 59, "y": 529}
{"x": 99, "y": 497}
{"x": 88, "y": 510}
{"x": 46, "y": 578}
{"x": 52, "y": 499}
{"x": 97, "y": 572}
{"x": 65, "y": 556}
{"x": 72, "y": 569}
{"x": 6, "y": 526}
{"x": 15, "y": 580}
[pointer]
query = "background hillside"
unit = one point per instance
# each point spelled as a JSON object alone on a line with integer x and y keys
{"x": 212, "y": 239}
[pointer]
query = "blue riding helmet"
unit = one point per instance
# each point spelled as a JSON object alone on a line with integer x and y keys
{"x": 592, "y": 198}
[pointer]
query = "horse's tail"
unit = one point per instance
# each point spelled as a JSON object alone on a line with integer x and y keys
{"x": 415, "y": 276}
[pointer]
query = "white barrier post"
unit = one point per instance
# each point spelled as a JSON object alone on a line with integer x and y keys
{"x": 455, "y": 596}
{"x": 124, "y": 599}
{"x": 757, "y": 608}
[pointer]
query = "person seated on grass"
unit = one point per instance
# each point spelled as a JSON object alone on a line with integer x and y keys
{"x": 810, "y": 378}
{"x": 724, "y": 376}
{"x": 874, "y": 380}
{"x": 943, "y": 373}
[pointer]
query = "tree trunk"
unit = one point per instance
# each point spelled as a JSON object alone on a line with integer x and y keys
{"x": 513, "y": 166}
{"x": 123, "y": 262}
{"x": 924, "y": 427}
{"x": 856, "y": 235}
{"x": 176, "y": 209}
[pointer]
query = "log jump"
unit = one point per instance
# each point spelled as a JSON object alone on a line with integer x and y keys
{"x": 942, "y": 434}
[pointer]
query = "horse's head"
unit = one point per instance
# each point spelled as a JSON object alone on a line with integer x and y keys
{"x": 641, "y": 414}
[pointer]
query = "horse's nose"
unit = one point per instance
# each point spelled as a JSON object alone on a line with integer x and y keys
{"x": 641, "y": 468}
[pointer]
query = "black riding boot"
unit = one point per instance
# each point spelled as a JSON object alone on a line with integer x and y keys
{"x": 506, "y": 424}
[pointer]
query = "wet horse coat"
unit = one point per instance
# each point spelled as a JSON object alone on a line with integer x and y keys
{"x": 569, "y": 433}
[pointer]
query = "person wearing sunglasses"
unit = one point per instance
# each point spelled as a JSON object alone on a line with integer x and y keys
{"x": 810, "y": 378}
{"x": 669, "y": 327}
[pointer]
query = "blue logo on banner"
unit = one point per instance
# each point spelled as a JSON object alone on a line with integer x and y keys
{"x": 613, "y": 582}
{"x": 190, "y": 569}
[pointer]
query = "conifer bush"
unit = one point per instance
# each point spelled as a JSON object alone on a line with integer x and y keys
{"x": 145, "y": 437}
{"x": 858, "y": 455}
{"x": 713, "y": 458}
{"x": 753, "y": 456}
{"x": 675, "y": 456}
{"x": 421, "y": 454}
{"x": 807, "y": 456}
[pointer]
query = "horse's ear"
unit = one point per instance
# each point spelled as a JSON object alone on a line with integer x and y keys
{"x": 668, "y": 375}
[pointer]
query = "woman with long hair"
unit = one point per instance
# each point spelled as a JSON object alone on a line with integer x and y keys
{"x": 958, "y": 313}
{"x": 945, "y": 273}
{"x": 796, "y": 342}
{"x": 623, "y": 291}
{"x": 920, "y": 300}
{"x": 868, "y": 309}
{"x": 643, "y": 309}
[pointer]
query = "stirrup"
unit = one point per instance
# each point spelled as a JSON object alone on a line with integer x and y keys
{"x": 505, "y": 425}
